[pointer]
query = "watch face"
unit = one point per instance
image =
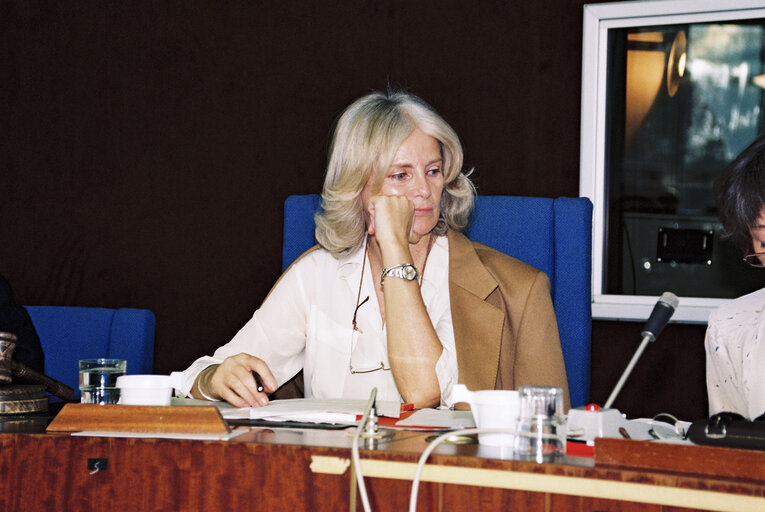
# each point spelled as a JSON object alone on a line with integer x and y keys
{"x": 410, "y": 273}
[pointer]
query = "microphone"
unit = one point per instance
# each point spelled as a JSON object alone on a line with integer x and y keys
{"x": 592, "y": 421}
{"x": 660, "y": 315}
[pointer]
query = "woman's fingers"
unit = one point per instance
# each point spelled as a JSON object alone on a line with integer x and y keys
{"x": 391, "y": 218}
{"x": 234, "y": 381}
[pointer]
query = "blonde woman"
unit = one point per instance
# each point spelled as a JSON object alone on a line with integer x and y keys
{"x": 393, "y": 297}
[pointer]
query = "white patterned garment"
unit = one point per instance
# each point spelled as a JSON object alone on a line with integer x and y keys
{"x": 736, "y": 356}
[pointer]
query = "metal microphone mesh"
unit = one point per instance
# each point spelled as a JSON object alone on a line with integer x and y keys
{"x": 670, "y": 299}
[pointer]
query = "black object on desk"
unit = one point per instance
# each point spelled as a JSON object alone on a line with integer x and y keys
{"x": 244, "y": 422}
{"x": 729, "y": 430}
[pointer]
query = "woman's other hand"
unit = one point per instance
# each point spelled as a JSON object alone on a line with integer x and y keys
{"x": 391, "y": 219}
{"x": 234, "y": 382}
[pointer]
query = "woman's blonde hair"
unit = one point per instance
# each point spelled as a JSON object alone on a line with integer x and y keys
{"x": 365, "y": 140}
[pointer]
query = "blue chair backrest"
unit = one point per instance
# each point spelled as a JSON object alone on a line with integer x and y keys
{"x": 68, "y": 334}
{"x": 553, "y": 235}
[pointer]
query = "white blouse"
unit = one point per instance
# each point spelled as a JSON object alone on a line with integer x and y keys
{"x": 306, "y": 323}
{"x": 736, "y": 356}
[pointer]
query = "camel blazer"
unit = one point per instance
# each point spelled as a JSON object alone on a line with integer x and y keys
{"x": 505, "y": 330}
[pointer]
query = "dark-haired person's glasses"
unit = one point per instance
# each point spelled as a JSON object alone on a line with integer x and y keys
{"x": 754, "y": 259}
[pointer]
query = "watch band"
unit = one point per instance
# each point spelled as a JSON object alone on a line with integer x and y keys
{"x": 405, "y": 271}
{"x": 205, "y": 375}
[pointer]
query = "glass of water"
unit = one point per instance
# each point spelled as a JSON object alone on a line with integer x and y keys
{"x": 98, "y": 380}
{"x": 541, "y": 424}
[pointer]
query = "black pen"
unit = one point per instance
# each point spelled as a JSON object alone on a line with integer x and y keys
{"x": 258, "y": 382}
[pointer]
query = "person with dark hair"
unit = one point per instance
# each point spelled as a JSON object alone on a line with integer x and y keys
{"x": 734, "y": 351}
{"x": 15, "y": 319}
{"x": 394, "y": 297}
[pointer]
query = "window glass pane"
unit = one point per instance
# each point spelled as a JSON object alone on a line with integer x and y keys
{"x": 682, "y": 102}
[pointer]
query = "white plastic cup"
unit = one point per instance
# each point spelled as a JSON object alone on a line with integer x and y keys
{"x": 145, "y": 389}
{"x": 495, "y": 409}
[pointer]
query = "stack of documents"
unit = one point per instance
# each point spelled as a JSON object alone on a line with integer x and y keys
{"x": 310, "y": 410}
{"x": 347, "y": 412}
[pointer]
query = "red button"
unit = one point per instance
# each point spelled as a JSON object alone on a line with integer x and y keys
{"x": 592, "y": 407}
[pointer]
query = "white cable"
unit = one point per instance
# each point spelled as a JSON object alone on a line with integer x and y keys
{"x": 355, "y": 451}
{"x": 468, "y": 431}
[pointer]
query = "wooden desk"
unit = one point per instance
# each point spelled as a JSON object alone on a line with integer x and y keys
{"x": 286, "y": 470}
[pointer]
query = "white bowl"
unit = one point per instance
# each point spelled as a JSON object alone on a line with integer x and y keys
{"x": 144, "y": 389}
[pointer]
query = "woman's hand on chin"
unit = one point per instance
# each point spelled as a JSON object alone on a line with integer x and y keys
{"x": 391, "y": 219}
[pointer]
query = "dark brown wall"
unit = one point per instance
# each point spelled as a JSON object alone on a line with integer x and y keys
{"x": 147, "y": 147}
{"x": 669, "y": 377}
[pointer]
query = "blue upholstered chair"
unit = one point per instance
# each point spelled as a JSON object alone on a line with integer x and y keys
{"x": 553, "y": 235}
{"x": 68, "y": 334}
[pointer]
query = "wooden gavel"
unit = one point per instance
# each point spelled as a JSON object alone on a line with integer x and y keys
{"x": 10, "y": 369}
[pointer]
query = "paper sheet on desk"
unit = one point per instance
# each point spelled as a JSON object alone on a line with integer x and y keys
{"x": 312, "y": 410}
{"x": 647, "y": 429}
{"x": 164, "y": 435}
{"x": 438, "y": 418}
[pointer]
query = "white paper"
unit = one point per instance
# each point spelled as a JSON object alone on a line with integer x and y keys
{"x": 438, "y": 418}
{"x": 647, "y": 429}
{"x": 164, "y": 435}
{"x": 311, "y": 410}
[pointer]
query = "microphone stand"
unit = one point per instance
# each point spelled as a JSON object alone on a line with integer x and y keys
{"x": 660, "y": 315}
{"x": 592, "y": 421}
{"x": 367, "y": 427}
{"x": 647, "y": 338}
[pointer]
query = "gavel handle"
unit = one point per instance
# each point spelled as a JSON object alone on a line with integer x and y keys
{"x": 52, "y": 386}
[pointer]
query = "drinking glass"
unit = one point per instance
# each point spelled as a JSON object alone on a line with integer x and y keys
{"x": 98, "y": 380}
{"x": 541, "y": 424}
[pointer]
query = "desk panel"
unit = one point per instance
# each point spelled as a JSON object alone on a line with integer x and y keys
{"x": 278, "y": 470}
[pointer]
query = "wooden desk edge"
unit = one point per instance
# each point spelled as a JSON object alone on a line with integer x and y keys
{"x": 136, "y": 418}
{"x": 714, "y": 461}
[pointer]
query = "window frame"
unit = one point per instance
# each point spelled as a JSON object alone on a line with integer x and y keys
{"x": 598, "y": 20}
